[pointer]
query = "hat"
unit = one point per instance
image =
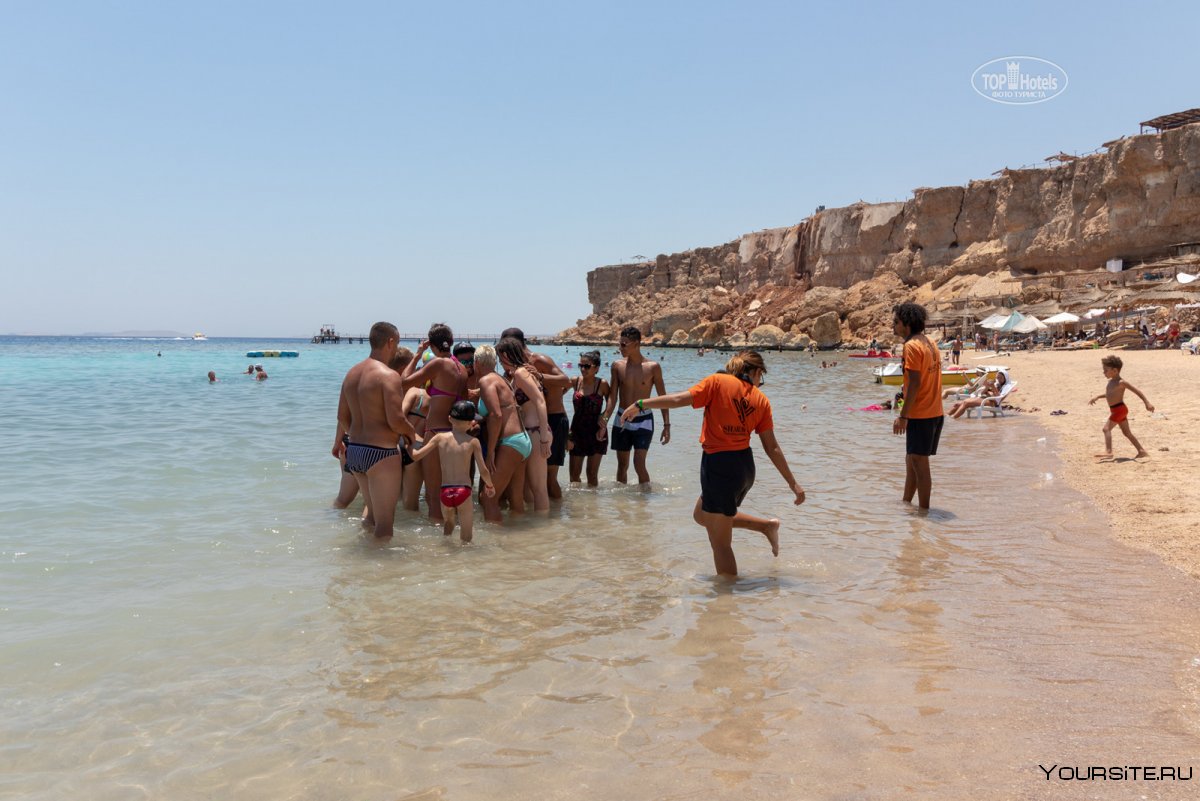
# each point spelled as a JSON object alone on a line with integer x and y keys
{"x": 462, "y": 410}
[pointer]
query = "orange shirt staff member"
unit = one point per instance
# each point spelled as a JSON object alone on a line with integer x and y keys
{"x": 734, "y": 406}
{"x": 921, "y": 416}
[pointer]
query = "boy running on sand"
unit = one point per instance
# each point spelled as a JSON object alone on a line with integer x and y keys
{"x": 1118, "y": 411}
{"x": 456, "y": 449}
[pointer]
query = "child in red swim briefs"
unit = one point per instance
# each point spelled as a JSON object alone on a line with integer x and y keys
{"x": 1118, "y": 411}
{"x": 456, "y": 448}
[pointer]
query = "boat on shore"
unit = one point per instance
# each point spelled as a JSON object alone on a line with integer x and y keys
{"x": 892, "y": 374}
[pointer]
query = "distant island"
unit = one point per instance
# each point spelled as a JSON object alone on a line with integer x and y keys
{"x": 135, "y": 334}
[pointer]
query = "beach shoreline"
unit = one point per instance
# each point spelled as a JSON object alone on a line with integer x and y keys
{"x": 1151, "y": 503}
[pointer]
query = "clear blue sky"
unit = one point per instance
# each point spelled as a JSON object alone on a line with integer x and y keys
{"x": 260, "y": 168}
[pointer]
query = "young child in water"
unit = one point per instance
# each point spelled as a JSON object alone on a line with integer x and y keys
{"x": 1118, "y": 411}
{"x": 456, "y": 449}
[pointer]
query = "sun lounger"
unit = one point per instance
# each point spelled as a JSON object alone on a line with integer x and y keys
{"x": 995, "y": 405}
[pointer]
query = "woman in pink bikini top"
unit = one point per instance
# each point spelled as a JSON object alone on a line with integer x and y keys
{"x": 445, "y": 378}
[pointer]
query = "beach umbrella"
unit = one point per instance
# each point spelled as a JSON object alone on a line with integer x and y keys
{"x": 996, "y": 321}
{"x": 1028, "y": 325}
{"x": 1061, "y": 319}
{"x": 1009, "y": 323}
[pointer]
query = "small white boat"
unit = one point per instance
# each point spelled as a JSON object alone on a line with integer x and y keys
{"x": 198, "y": 337}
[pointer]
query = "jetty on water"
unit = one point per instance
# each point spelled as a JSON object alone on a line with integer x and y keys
{"x": 329, "y": 335}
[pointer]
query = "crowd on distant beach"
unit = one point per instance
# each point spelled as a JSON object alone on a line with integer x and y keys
{"x": 450, "y": 414}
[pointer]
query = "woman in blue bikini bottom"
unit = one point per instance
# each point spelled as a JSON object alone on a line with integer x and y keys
{"x": 508, "y": 446}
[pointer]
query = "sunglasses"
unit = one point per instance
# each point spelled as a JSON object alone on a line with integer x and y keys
{"x": 466, "y": 362}
{"x": 586, "y": 366}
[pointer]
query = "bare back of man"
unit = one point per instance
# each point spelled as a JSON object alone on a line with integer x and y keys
{"x": 371, "y": 410}
{"x": 554, "y": 384}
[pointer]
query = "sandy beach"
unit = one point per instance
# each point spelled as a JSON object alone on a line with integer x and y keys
{"x": 1152, "y": 503}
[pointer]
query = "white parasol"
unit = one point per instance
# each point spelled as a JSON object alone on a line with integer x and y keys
{"x": 1061, "y": 318}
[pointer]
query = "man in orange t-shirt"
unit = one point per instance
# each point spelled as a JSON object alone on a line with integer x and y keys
{"x": 921, "y": 416}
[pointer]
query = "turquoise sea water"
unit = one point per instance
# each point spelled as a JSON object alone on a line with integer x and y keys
{"x": 182, "y": 614}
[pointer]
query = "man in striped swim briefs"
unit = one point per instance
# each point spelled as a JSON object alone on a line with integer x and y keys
{"x": 370, "y": 412}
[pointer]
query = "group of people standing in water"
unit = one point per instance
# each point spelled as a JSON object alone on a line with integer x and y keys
{"x": 430, "y": 418}
{"x": 427, "y": 418}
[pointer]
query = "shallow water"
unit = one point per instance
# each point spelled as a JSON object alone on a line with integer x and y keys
{"x": 183, "y": 616}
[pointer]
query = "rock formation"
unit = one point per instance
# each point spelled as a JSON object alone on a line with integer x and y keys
{"x": 834, "y": 276}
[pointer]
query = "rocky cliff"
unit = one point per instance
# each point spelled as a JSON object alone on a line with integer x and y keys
{"x": 1132, "y": 201}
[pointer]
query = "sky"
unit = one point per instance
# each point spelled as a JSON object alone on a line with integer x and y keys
{"x": 259, "y": 168}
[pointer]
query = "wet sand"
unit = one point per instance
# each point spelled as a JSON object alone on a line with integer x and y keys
{"x": 1152, "y": 503}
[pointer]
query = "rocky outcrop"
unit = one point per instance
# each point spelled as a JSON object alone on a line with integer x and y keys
{"x": 767, "y": 336}
{"x": 1132, "y": 201}
{"x": 827, "y": 330}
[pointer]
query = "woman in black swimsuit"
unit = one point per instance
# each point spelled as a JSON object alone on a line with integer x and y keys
{"x": 589, "y": 434}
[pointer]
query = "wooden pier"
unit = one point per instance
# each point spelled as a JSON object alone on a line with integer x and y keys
{"x": 328, "y": 335}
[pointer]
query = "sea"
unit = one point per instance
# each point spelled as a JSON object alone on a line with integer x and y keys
{"x": 183, "y": 615}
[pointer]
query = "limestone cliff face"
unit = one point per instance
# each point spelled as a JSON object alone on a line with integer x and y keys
{"x": 1132, "y": 202}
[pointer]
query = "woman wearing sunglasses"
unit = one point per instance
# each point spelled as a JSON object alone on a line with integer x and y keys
{"x": 589, "y": 434}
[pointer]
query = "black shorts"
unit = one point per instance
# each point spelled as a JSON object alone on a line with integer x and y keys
{"x": 623, "y": 439}
{"x": 559, "y": 427}
{"x": 725, "y": 478}
{"x": 922, "y": 436}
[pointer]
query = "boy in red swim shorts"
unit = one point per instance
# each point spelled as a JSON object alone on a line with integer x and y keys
{"x": 456, "y": 448}
{"x": 1118, "y": 411}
